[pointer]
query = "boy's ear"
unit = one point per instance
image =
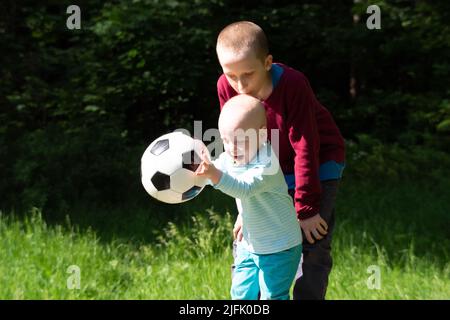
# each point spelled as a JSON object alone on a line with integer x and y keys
{"x": 268, "y": 62}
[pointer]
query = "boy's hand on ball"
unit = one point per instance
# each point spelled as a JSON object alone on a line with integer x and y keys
{"x": 208, "y": 170}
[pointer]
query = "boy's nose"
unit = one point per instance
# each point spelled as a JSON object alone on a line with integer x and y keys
{"x": 242, "y": 87}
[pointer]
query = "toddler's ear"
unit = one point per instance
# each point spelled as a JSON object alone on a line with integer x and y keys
{"x": 263, "y": 133}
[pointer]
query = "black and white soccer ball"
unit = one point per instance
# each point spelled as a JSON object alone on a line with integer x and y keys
{"x": 168, "y": 166}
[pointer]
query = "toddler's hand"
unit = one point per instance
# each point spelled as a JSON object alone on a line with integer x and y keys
{"x": 208, "y": 170}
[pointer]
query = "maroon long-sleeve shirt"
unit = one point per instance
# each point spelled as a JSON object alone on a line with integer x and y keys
{"x": 308, "y": 135}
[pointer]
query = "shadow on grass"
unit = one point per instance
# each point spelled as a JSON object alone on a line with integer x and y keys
{"x": 139, "y": 221}
{"x": 407, "y": 218}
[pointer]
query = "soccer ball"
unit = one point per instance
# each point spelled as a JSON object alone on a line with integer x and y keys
{"x": 168, "y": 166}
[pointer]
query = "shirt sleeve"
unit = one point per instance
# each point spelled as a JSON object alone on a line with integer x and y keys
{"x": 221, "y": 91}
{"x": 304, "y": 138}
{"x": 256, "y": 180}
{"x": 219, "y": 164}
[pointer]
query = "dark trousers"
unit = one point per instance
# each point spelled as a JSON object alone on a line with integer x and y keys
{"x": 317, "y": 261}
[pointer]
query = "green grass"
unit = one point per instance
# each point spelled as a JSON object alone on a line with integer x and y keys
{"x": 162, "y": 253}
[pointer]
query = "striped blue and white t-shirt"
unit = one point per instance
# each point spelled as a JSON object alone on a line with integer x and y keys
{"x": 269, "y": 219}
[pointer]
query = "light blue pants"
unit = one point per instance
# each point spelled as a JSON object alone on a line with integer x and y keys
{"x": 268, "y": 274}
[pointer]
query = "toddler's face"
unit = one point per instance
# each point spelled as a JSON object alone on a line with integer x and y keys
{"x": 245, "y": 72}
{"x": 241, "y": 145}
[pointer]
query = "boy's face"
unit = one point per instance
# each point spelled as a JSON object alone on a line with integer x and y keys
{"x": 245, "y": 72}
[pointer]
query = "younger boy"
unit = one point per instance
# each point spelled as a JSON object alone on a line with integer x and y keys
{"x": 311, "y": 149}
{"x": 268, "y": 256}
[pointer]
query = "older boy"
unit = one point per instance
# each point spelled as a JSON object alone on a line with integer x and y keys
{"x": 268, "y": 256}
{"x": 311, "y": 148}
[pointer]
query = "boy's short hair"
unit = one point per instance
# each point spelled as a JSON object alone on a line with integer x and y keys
{"x": 244, "y": 35}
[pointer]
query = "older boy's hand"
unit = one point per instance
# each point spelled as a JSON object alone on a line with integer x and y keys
{"x": 237, "y": 230}
{"x": 314, "y": 227}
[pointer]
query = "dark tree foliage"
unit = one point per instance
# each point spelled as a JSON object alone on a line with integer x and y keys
{"x": 78, "y": 107}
